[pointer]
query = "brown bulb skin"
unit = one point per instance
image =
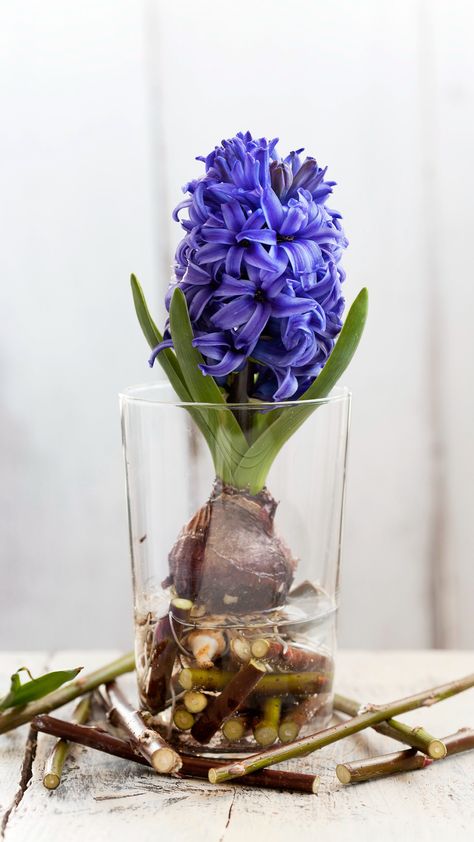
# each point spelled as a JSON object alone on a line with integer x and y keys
{"x": 229, "y": 557}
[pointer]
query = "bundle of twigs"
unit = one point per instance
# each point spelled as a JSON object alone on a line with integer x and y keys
{"x": 142, "y": 743}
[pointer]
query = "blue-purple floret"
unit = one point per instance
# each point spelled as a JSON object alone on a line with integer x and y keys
{"x": 259, "y": 266}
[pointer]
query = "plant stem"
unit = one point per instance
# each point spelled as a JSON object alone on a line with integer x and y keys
{"x": 238, "y": 393}
{"x": 462, "y": 740}
{"x": 212, "y": 679}
{"x": 416, "y": 737}
{"x": 235, "y": 728}
{"x": 292, "y": 657}
{"x": 165, "y": 648}
{"x": 240, "y": 650}
{"x": 195, "y": 701}
{"x": 272, "y": 684}
{"x": 357, "y": 771}
{"x": 381, "y": 767}
{"x": 306, "y": 745}
{"x": 79, "y": 687}
{"x": 193, "y": 767}
{"x": 183, "y": 719}
{"x": 228, "y": 701}
{"x": 55, "y": 761}
{"x": 265, "y": 729}
{"x": 146, "y": 741}
{"x": 298, "y": 716}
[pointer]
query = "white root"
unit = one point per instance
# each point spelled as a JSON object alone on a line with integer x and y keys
{"x": 206, "y": 645}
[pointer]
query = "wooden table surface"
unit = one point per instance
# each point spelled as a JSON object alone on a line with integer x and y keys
{"x": 104, "y": 798}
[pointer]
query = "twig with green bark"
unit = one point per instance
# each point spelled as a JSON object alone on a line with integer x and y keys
{"x": 265, "y": 729}
{"x": 416, "y": 737}
{"x": 55, "y": 761}
{"x": 183, "y": 718}
{"x": 235, "y": 727}
{"x": 313, "y": 742}
{"x": 194, "y": 701}
{"x": 272, "y": 684}
{"x": 299, "y": 715}
{"x": 357, "y": 771}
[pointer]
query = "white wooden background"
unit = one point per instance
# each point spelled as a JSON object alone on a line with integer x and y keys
{"x": 103, "y": 107}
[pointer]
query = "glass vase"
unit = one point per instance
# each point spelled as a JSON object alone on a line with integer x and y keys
{"x": 235, "y": 589}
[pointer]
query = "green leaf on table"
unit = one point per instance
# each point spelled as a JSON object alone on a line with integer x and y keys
{"x": 228, "y": 439}
{"x": 22, "y": 693}
{"x": 256, "y": 462}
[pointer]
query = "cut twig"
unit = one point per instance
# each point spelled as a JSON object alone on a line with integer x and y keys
{"x": 55, "y": 761}
{"x": 183, "y": 719}
{"x": 195, "y": 701}
{"x": 356, "y": 771}
{"x": 265, "y": 729}
{"x": 148, "y": 742}
{"x": 235, "y": 727}
{"x": 381, "y": 767}
{"x": 290, "y": 656}
{"x": 79, "y": 687}
{"x": 301, "y": 714}
{"x": 305, "y": 745}
{"x": 240, "y": 650}
{"x": 462, "y": 740}
{"x": 229, "y": 700}
{"x": 416, "y": 737}
{"x": 272, "y": 684}
{"x": 193, "y": 767}
{"x": 212, "y": 679}
{"x": 165, "y": 648}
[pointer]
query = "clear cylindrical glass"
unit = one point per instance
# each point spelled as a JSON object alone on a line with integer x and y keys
{"x": 234, "y": 587}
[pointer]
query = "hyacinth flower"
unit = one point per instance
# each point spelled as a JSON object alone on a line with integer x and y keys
{"x": 254, "y": 320}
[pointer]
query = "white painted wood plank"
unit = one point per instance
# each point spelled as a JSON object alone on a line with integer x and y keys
{"x": 102, "y": 797}
{"x": 339, "y": 78}
{"x": 452, "y": 214}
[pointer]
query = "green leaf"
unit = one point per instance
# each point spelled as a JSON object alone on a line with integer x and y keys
{"x": 36, "y": 688}
{"x": 343, "y": 351}
{"x": 166, "y": 358}
{"x": 150, "y": 330}
{"x": 202, "y": 388}
{"x": 257, "y": 461}
{"x": 229, "y": 441}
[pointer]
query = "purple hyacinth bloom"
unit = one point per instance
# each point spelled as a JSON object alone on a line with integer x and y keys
{"x": 259, "y": 266}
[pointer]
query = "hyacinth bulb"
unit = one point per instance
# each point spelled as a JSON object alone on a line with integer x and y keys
{"x": 229, "y": 557}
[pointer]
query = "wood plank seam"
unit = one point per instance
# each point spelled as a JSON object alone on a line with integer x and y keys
{"x": 26, "y": 774}
{"x": 229, "y": 814}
